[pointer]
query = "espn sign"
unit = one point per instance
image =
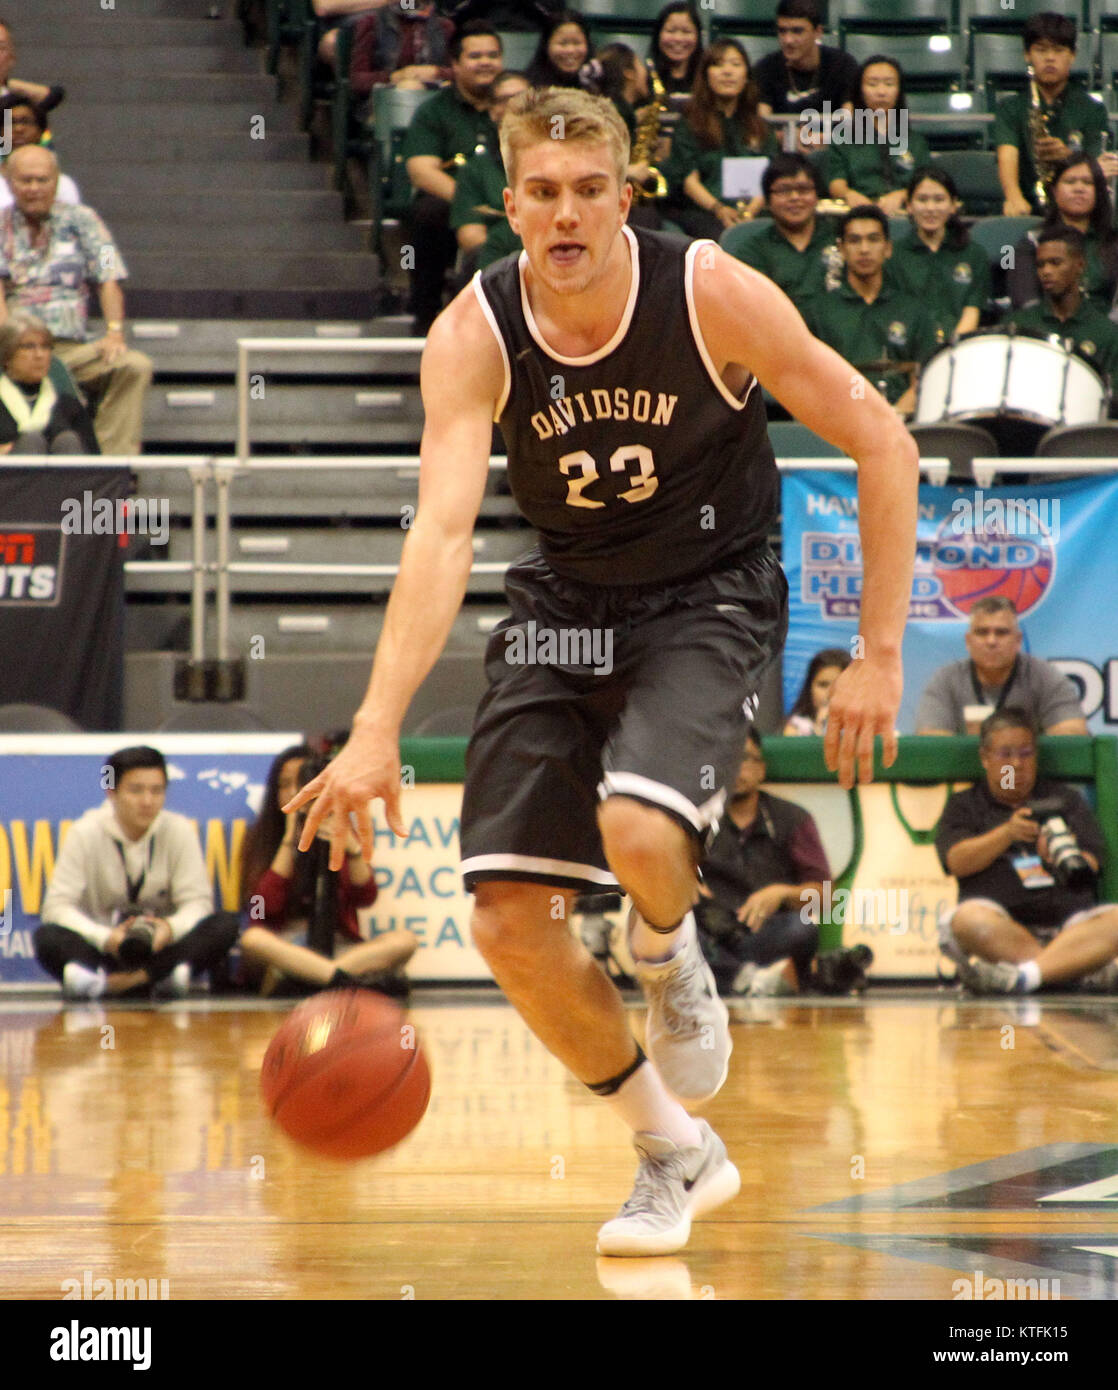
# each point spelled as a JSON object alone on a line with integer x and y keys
{"x": 30, "y": 565}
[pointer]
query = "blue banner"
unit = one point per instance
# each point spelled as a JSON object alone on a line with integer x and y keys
{"x": 1048, "y": 548}
{"x": 216, "y": 780}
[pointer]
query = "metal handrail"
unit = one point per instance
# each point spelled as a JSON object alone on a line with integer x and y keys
{"x": 223, "y": 470}
{"x": 245, "y": 346}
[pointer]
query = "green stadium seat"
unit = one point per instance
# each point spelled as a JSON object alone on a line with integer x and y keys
{"x": 1108, "y": 68}
{"x": 994, "y": 14}
{"x": 994, "y": 234}
{"x": 623, "y": 14}
{"x": 312, "y": 85}
{"x": 62, "y": 381}
{"x": 743, "y": 18}
{"x": 518, "y": 48}
{"x": 954, "y": 130}
{"x": 976, "y": 176}
{"x": 638, "y": 42}
{"x": 389, "y": 186}
{"x": 791, "y": 440}
{"x": 937, "y": 68}
{"x": 283, "y": 21}
{"x": 889, "y": 17}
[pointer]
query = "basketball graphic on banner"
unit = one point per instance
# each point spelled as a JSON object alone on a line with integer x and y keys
{"x": 994, "y": 548}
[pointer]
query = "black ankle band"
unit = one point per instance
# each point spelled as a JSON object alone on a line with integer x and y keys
{"x": 615, "y": 1083}
{"x": 664, "y": 931}
{"x": 340, "y": 980}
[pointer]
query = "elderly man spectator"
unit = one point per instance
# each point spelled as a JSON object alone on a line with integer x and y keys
{"x": 1027, "y": 855}
{"x": 997, "y": 672}
{"x": 34, "y": 417}
{"x": 46, "y": 97}
{"x": 29, "y": 126}
{"x": 49, "y": 253}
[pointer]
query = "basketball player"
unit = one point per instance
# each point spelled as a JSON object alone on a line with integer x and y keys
{"x": 623, "y": 368}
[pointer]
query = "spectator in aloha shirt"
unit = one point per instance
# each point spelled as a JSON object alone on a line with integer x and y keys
{"x": 49, "y": 254}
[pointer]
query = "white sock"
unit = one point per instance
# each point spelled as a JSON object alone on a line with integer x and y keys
{"x": 653, "y": 947}
{"x": 1029, "y": 974}
{"x": 645, "y": 1106}
{"x": 83, "y": 983}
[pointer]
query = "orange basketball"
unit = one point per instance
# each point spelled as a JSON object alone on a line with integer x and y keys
{"x": 345, "y": 1075}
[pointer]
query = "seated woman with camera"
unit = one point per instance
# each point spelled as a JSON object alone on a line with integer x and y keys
{"x": 1027, "y": 855}
{"x": 304, "y": 909}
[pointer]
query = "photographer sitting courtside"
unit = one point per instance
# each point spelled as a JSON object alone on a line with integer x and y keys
{"x": 1027, "y": 854}
{"x": 763, "y": 865}
{"x": 130, "y": 906}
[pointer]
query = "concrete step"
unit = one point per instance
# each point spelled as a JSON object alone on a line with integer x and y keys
{"x": 201, "y": 302}
{"x": 232, "y": 238}
{"x": 207, "y": 348}
{"x": 37, "y": 33}
{"x": 81, "y": 150}
{"x": 139, "y": 9}
{"x": 63, "y": 60}
{"x": 362, "y": 416}
{"x": 186, "y": 182}
{"x": 104, "y": 122}
{"x": 158, "y": 87}
{"x": 293, "y": 208}
{"x": 245, "y": 271}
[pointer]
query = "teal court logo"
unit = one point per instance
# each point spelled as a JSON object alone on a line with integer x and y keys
{"x": 1080, "y": 1181}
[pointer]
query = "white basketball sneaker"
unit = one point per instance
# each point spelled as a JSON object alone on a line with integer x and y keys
{"x": 688, "y": 1032}
{"x": 673, "y": 1185}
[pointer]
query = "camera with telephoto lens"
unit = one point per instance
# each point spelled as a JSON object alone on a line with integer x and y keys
{"x": 1070, "y": 867}
{"x": 138, "y": 944}
{"x": 843, "y": 970}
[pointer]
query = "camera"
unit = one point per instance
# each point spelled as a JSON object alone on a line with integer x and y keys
{"x": 843, "y": 970}
{"x": 136, "y": 947}
{"x": 1070, "y": 868}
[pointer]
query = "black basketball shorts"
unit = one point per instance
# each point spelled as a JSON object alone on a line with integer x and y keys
{"x": 596, "y": 692}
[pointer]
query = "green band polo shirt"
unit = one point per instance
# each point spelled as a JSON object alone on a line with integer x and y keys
{"x": 800, "y": 274}
{"x": 1075, "y": 117}
{"x": 447, "y": 126}
{"x": 946, "y": 281}
{"x": 895, "y": 327}
{"x": 1088, "y": 329}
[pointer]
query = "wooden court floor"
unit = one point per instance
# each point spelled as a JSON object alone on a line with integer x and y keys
{"x": 895, "y": 1147}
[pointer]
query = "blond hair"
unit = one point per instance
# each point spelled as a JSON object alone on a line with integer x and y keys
{"x": 562, "y": 113}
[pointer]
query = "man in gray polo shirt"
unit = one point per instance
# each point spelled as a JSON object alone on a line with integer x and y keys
{"x": 997, "y": 672}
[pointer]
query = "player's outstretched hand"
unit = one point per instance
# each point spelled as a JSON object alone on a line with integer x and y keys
{"x": 864, "y": 701}
{"x": 367, "y": 768}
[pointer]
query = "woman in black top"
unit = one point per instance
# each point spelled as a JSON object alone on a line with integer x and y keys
{"x": 34, "y": 417}
{"x": 676, "y": 47}
{"x": 563, "y": 49}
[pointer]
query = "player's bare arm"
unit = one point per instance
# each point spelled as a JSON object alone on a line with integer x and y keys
{"x": 748, "y": 322}
{"x": 461, "y": 379}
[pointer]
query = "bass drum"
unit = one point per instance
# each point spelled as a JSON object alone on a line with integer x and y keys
{"x": 1010, "y": 376}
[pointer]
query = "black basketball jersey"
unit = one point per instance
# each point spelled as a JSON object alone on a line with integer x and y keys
{"x": 635, "y": 464}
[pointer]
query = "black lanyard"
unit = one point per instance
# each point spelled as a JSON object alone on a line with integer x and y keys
{"x": 1005, "y": 688}
{"x": 134, "y": 886}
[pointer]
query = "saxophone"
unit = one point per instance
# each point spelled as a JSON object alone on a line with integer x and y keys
{"x": 647, "y": 136}
{"x": 1038, "y": 130}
